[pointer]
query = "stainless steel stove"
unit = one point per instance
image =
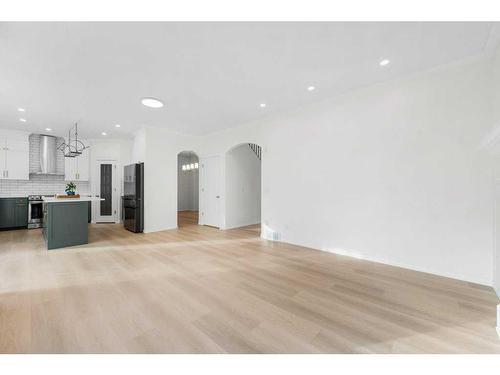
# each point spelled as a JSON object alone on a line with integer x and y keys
{"x": 35, "y": 211}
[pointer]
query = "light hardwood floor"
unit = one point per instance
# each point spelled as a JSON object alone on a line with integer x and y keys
{"x": 201, "y": 290}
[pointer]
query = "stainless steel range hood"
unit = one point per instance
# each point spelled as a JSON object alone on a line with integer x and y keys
{"x": 48, "y": 155}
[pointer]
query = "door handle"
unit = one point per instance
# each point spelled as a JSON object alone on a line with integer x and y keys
{"x": 217, "y": 196}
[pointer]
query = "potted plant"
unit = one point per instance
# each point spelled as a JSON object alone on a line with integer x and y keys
{"x": 70, "y": 188}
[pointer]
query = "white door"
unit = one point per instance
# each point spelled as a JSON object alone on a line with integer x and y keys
{"x": 210, "y": 191}
{"x": 106, "y": 211}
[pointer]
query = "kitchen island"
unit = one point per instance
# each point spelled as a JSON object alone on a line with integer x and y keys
{"x": 65, "y": 221}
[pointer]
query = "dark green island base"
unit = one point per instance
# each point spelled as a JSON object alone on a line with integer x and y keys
{"x": 65, "y": 224}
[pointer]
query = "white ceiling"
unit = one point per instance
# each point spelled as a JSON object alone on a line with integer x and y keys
{"x": 211, "y": 76}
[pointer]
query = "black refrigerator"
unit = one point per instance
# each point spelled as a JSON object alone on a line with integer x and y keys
{"x": 133, "y": 198}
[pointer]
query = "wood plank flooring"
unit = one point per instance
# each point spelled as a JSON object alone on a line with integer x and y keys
{"x": 200, "y": 290}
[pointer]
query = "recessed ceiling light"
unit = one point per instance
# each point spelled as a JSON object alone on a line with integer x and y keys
{"x": 152, "y": 102}
{"x": 104, "y": 133}
{"x": 384, "y": 62}
{"x": 48, "y": 129}
{"x": 21, "y": 109}
{"x": 117, "y": 125}
{"x": 22, "y": 119}
{"x": 262, "y": 105}
{"x": 311, "y": 88}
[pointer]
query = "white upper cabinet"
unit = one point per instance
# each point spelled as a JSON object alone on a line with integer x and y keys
{"x": 83, "y": 165}
{"x": 77, "y": 168}
{"x": 70, "y": 169}
{"x": 14, "y": 159}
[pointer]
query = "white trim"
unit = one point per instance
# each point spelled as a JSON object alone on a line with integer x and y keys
{"x": 242, "y": 224}
{"x": 498, "y": 320}
{"x": 353, "y": 254}
{"x": 115, "y": 194}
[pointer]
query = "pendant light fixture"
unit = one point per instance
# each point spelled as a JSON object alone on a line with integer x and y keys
{"x": 73, "y": 147}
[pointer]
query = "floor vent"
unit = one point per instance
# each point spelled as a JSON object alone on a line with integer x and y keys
{"x": 271, "y": 235}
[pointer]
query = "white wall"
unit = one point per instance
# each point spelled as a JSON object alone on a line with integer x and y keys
{"x": 187, "y": 188}
{"x": 139, "y": 146}
{"x": 158, "y": 149}
{"x": 493, "y": 146}
{"x": 243, "y": 187}
{"x": 391, "y": 173}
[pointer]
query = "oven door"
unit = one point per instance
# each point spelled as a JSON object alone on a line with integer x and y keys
{"x": 35, "y": 212}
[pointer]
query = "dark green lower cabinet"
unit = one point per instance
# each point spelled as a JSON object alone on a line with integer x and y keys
{"x": 65, "y": 224}
{"x": 13, "y": 213}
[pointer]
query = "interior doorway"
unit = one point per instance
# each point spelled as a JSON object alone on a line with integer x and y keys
{"x": 187, "y": 188}
{"x": 211, "y": 191}
{"x": 243, "y": 187}
{"x": 106, "y": 210}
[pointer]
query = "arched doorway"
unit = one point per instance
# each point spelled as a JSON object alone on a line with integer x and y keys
{"x": 187, "y": 188}
{"x": 243, "y": 186}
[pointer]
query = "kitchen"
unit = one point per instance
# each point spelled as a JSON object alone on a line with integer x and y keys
{"x": 35, "y": 171}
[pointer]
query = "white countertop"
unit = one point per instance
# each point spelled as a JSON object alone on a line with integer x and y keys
{"x": 64, "y": 200}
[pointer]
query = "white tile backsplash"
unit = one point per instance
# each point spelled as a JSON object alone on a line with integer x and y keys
{"x": 40, "y": 184}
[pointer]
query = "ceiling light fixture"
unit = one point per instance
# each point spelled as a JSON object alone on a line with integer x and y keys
{"x": 22, "y": 119}
{"x": 21, "y": 110}
{"x": 72, "y": 146}
{"x": 311, "y": 88}
{"x": 104, "y": 133}
{"x": 263, "y": 105}
{"x": 48, "y": 129}
{"x": 384, "y": 62}
{"x": 117, "y": 125}
{"x": 152, "y": 102}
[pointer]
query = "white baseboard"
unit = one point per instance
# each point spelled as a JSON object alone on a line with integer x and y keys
{"x": 498, "y": 320}
{"x": 401, "y": 265}
{"x": 239, "y": 225}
